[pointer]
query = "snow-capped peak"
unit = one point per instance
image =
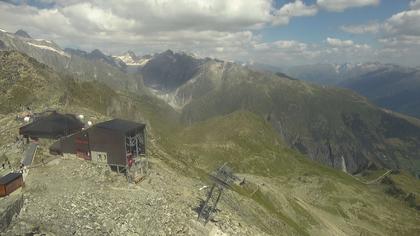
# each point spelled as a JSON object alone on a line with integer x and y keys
{"x": 130, "y": 59}
{"x": 43, "y": 40}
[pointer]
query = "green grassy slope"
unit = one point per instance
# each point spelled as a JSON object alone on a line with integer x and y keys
{"x": 25, "y": 82}
{"x": 307, "y": 197}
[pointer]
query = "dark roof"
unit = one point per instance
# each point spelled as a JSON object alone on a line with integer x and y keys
{"x": 29, "y": 154}
{"x": 53, "y": 125}
{"x": 9, "y": 178}
{"x": 120, "y": 125}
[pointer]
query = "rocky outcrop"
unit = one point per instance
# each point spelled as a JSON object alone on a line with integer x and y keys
{"x": 10, "y": 206}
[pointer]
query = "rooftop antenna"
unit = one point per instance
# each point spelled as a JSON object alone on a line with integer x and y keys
{"x": 222, "y": 178}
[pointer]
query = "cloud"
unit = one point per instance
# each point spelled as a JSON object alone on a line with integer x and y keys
{"x": 227, "y": 30}
{"x": 402, "y": 25}
{"x": 373, "y": 28}
{"x": 406, "y": 23}
{"x": 287, "y": 52}
{"x": 150, "y": 25}
{"x": 204, "y": 27}
{"x": 341, "y": 5}
{"x": 398, "y": 36}
{"x": 400, "y": 40}
{"x": 415, "y": 4}
{"x": 339, "y": 42}
{"x": 293, "y": 9}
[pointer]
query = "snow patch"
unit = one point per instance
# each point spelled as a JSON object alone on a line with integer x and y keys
{"x": 343, "y": 164}
{"x": 128, "y": 60}
{"x": 131, "y": 59}
{"x": 143, "y": 62}
{"x": 172, "y": 98}
{"x": 43, "y": 40}
{"x": 2, "y": 30}
{"x": 49, "y": 48}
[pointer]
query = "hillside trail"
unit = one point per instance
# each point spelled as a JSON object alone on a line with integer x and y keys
{"x": 375, "y": 181}
{"x": 332, "y": 228}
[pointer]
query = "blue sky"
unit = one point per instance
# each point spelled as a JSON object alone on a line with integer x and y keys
{"x": 325, "y": 24}
{"x": 275, "y": 32}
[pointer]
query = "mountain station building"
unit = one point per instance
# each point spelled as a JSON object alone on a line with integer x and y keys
{"x": 118, "y": 143}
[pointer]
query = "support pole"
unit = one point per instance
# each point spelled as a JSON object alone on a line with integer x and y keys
{"x": 205, "y": 205}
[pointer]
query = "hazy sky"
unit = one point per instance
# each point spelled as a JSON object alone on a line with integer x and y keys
{"x": 273, "y": 32}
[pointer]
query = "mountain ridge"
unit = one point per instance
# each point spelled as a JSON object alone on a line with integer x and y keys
{"x": 80, "y": 64}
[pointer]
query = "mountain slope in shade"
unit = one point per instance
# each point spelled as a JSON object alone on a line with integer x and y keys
{"x": 334, "y": 126}
{"x": 22, "y": 34}
{"x": 168, "y": 70}
{"x": 397, "y": 90}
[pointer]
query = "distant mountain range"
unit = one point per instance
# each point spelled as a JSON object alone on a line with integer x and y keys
{"x": 390, "y": 86}
{"x": 82, "y": 65}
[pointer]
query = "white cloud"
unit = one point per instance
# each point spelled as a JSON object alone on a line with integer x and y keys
{"x": 398, "y": 36}
{"x": 293, "y": 9}
{"x": 401, "y": 27}
{"x": 220, "y": 28}
{"x": 346, "y": 44}
{"x": 341, "y": 5}
{"x": 402, "y": 23}
{"x": 339, "y": 43}
{"x": 415, "y": 4}
{"x": 400, "y": 40}
{"x": 151, "y": 25}
{"x": 373, "y": 28}
{"x": 216, "y": 28}
{"x": 406, "y": 22}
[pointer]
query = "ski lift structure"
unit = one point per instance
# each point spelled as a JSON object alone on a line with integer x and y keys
{"x": 222, "y": 178}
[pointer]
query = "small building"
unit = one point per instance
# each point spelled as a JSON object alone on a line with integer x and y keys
{"x": 118, "y": 143}
{"x": 52, "y": 126}
{"x": 9, "y": 183}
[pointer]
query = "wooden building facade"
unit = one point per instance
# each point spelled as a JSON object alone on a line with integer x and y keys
{"x": 116, "y": 142}
{"x": 9, "y": 183}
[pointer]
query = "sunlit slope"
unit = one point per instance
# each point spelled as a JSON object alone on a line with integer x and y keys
{"x": 24, "y": 82}
{"x": 295, "y": 195}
